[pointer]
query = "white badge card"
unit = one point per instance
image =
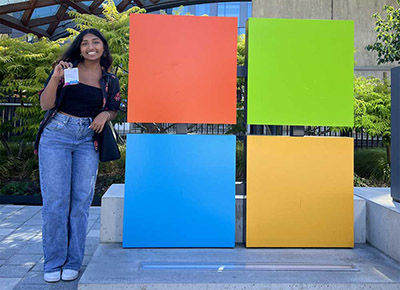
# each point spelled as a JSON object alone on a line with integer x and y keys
{"x": 71, "y": 76}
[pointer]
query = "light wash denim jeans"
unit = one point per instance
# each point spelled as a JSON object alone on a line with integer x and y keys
{"x": 68, "y": 169}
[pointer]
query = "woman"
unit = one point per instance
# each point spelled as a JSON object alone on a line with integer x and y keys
{"x": 68, "y": 157}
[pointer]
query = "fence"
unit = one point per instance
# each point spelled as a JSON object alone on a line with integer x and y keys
{"x": 8, "y": 106}
{"x": 361, "y": 139}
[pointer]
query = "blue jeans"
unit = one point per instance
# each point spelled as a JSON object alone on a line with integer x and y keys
{"x": 68, "y": 169}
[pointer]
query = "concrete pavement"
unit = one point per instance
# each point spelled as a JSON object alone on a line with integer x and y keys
{"x": 21, "y": 252}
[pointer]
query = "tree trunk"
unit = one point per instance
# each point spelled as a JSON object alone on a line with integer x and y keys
{"x": 4, "y": 142}
{"x": 21, "y": 149}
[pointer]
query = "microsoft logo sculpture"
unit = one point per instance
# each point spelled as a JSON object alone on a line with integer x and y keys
{"x": 180, "y": 189}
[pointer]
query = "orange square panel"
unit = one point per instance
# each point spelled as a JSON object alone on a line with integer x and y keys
{"x": 182, "y": 69}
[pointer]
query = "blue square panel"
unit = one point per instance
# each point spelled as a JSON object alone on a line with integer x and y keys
{"x": 179, "y": 191}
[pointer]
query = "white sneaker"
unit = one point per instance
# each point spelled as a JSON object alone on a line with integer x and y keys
{"x": 52, "y": 276}
{"x": 69, "y": 275}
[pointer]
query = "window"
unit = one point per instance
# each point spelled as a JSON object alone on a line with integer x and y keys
{"x": 203, "y": 9}
{"x": 45, "y": 11}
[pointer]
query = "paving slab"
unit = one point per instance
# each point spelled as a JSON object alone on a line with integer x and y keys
{"x": 33, "y": 222}
{"x": 3, "y": 215}
{"x": 113, "y": 267}
{"x": 21, "y": 236}
{"x": 21, "y": 251}
{"x": 10, "y": 243}
{"x": 14, "y": 271}
{"x": 16, "y": 217}
{"x": 86, "y": 260}
{"x": 33, "y": 278}
{"x": 38, "y": 266}
{"x": 11, "y": 208}
{"x": 8, "y": 283}
{"x": 8, "y": 223}
{"x": 5, "y": 254}
{"x": 26, "y": 233}
{"x": 92, "y": 240}
{"x": 90, "y": 224}
{"x": 63, "y": 285}
{"x": 5, "y": 232}
{"x": 29, "y": 229}
{"x": 95, "y": 210}
{"x": 94, "y": 234}
{"x": 23, "y": 259}
{"x": 96, "y": 225}
{"x": 32, "y": 247}
{"x": 90, "y": 249}
{"x": 24, "y": 213}
{"x": 33, "y": 287}
{"x": 31, "y": 209}
{"x": 94, "y": 215}
{"x": 9, "y": 247}
{"x": 36, "y": 238}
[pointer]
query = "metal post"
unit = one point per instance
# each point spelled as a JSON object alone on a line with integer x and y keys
{"x": 395, "y": 126}
{"x": 182, "y": 128}
{"x": 242, "y": 72}
{"x": 297, "y": 131}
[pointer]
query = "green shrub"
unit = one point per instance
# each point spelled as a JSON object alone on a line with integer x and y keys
{"x": 372, "y": 164}
{"x": 24, "y": 167}
{"x": 111, "y": 172}
{"x": 19, "y": 188}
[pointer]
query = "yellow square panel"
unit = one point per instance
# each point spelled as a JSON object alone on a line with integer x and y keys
{"x": 299, "y": 192}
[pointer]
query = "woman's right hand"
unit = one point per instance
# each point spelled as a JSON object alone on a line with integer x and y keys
{"x": 59, "y": 69}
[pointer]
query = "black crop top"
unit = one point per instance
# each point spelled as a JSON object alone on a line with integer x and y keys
{"x": 81, "y": 100}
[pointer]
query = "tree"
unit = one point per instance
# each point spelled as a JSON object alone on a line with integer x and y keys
{"x": 387, "y": 43}
{"x": 372, "y": 104}
{"x": 239, "y": 127}
{"x": 25, "y": 64}
{"x": 372, "y": 108}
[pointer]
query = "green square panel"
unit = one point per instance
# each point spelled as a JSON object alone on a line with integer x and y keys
{"x": 300, "y": 72}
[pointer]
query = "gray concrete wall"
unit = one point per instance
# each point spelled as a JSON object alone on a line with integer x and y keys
{"x": 383, "y": 226}
{"x": 301, "y": 9}
{"x": 360, "y": 11}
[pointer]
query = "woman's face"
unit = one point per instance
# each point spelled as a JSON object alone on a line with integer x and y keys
{"x": 92, "y": 47}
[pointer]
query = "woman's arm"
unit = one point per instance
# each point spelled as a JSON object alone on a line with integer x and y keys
{"x": 48, "y": 96}
{"x": 112, "y": 106}
{"x": 100, "y": 120}
{"x": 113, "y": 115}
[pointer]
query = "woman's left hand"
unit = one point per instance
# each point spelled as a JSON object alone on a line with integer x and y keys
{"x": 98, "y": 122}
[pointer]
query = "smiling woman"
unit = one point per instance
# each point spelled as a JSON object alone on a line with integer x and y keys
{"x": 68, "y": 157}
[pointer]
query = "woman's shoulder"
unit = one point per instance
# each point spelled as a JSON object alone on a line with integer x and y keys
{"x": 110, "y": 76}
{"x": 113, "y": 76}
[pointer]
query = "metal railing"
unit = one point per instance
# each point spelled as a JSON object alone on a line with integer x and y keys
{"x": 8, "y": 106}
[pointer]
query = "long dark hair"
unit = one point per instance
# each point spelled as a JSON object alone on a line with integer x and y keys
{"x": 73, "y": 53}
